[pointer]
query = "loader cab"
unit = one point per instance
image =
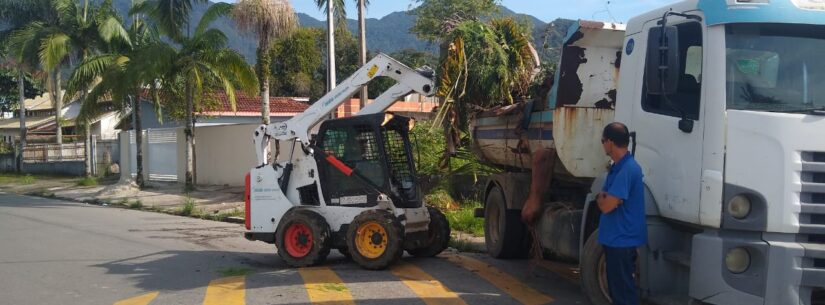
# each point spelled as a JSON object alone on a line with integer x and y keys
{"x": 375, "y": 146}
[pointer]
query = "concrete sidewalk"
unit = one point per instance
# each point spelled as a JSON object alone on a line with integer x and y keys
{"x": 213, "y": 202}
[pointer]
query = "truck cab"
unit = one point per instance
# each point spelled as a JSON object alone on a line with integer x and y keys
{"x": 749, "y": 174}
{"x": 726, "y": 109}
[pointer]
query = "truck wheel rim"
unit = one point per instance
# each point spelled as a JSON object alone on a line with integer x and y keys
{"x": 298, "y": 240}
{"x": 371, "y": 240}
{"x": 603, "y": 278}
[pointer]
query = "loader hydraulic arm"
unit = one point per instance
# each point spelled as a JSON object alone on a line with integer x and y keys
{"x": 298, "y": 127}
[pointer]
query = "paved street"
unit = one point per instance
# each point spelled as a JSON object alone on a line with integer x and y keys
{"x": 58, "y": 252}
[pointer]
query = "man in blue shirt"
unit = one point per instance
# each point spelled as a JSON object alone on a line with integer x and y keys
{"x": 622, "y": 225}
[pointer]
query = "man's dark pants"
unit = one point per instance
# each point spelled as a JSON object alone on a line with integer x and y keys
{"x": 621, "y": 265}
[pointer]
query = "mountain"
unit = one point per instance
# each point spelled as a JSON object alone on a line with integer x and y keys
{"x": 387, "y": 34}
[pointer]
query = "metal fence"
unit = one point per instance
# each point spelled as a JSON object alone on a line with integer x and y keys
{"x": 54, "y": 152}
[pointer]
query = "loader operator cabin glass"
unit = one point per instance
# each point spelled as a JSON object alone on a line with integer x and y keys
{"x": 688, "y": 92}
{"x": 775, "y": 67}
{"x": 378, "y": 153}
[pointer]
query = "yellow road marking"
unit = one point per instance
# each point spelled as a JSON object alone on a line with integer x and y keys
{"x": 425, "y": 286}
{"x": 143, "y": 299}
{"x": 226, "y": 291}
{"x": 503, "y": 281}
{"x": 325, "y": 287}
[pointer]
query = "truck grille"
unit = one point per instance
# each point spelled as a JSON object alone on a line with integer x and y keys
{"x": 812, "y": 197}
{"x": 812, "y": 221}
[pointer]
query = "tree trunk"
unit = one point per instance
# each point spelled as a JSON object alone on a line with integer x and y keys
{"x": 190, "y": 162}
{"x": 362, "y": 37}
{"x": 57, "y": 95}
{"x": 138, "y": 130}
{"x": 21, "y": 90}
{"x": 330, "y": 48}
{"x": 89, "y": 157}
{"x": 264, "y": 60}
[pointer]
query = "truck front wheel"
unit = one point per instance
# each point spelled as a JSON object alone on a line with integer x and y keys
{"x": 505, "y": 234}
{"x": 594, "y": 272}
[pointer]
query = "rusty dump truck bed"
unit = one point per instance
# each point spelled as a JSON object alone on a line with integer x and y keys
{"x": 581, "y": 102}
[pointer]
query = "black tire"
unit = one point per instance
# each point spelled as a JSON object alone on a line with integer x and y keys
{"x": 314, "y": 235}
{"x": 505, "y": 234}
{"x": 382, "y": 248}
{"x": 593, "y": 276}
{"x": 438, "y": 232}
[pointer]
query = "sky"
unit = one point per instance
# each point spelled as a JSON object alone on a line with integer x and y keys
{"x": 546, "y": 10}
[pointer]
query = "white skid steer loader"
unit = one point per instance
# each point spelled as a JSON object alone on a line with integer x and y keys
{"x": 352, "y": 186}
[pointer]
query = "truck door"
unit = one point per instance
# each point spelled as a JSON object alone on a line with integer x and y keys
{"x": 672, "y": 158}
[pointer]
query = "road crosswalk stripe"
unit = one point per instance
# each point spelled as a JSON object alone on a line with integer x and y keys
{"x": 509, "y": 284}
{"x": 142, "y": 299}
{"x": 325, "y": 287}
{"x": 431, "y": 291}
{"x": 226, "y": 291}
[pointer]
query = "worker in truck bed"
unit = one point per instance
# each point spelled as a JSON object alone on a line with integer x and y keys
{"x": 622, "y": 225}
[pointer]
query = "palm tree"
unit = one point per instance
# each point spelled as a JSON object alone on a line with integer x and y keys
{"x": 201, "y": 63}
{"x": 269, "y": 19}
{"x": 17, "y": 14}
{"x": 119, "y": 75}
{"x": 65, "y": 32}
{"x": 503, "y": 65}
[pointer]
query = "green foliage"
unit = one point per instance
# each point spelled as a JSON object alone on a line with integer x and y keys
{"x": 441, "y": 200}
{"x": 9, "y": 97}
{"x": 437, "y": 17}
{"x": 27, "y": 179}
{"x": 87, "y": 181}
{"x": 6, "y": 179}
{"x": 296, "y": 64}
{"x": 188, "y": 207}
{"x": 136, "y": 205}
{"x": 483, "y": 65}
{"x": 464, "y": 219}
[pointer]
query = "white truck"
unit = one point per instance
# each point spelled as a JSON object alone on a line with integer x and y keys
{"x": 726, "y": 105}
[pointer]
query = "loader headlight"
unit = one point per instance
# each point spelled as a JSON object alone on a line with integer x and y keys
{"x": 737, "y": 260}
{"x": 739, "y": 206}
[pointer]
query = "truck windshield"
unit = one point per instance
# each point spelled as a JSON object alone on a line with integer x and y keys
{"x": 775, "y": 67}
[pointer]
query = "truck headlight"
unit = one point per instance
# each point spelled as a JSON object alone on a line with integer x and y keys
{"x": 739, "y": 206}
{"x": 737, "y": 260}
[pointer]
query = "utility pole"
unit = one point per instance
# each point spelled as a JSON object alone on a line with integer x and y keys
{"x": 362, "y": 28}
{"x": 330, "y": 47}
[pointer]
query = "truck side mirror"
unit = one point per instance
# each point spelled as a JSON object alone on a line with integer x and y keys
{"x": 663, "y": 64}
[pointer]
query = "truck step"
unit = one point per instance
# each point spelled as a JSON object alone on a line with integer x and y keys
{"x": 680, "y": 258}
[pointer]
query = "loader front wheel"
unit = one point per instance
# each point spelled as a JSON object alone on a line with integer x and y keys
{"x": 375, "y": 239}
{"x": 303, "y": 238}
{"x": 438, "y": 232}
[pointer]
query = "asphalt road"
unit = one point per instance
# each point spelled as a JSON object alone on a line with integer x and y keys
{"x": 58, "y": 252}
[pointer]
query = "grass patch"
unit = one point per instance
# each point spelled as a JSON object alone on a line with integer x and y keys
{"x": 137, "y": 205}
{"x": 88, "y": 181}
{"x": 17, "y": 179}
{"x": 234, "y": 271}
{"x": 27, "y": 179}
{"x": 222, "y": 216}
{"x": 464, "y": 219}
{"x": 188, "y": 207}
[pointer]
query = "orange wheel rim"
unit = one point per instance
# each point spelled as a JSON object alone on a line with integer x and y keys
{"x": 371, "y": 240}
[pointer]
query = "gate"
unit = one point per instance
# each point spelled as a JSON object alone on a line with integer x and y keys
{"x": 160, "y": 156}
